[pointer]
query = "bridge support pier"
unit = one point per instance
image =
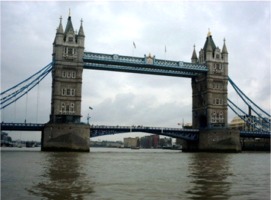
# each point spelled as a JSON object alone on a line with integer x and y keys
{"x": 65, "y": 137}
{"x": 215, "y": 140}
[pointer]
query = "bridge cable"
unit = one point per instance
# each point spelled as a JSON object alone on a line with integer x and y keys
{"x": 23, "y": 93}
{"x": 37, "y": 110}
{"x": 26, "y": 102}
{"x": 266, "y": 125}
{"x": 243, "y": 118}
{"x": 248, "y": 120}
{"x": 262, "y": 118}
{"x": 23, "y": 87}
{"x": 6, "y": 98}
{"x": 240, "y": 91}
{"x": 26, "y": 79}
{"x": 12, "y": 98}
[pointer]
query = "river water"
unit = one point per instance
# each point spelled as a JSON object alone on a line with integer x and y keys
{"x": 126, "y": 174}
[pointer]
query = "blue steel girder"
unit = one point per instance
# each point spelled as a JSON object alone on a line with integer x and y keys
{"x": 114, "y": 62}
{"x": 186, "y": 134}
{"x": 255, "y": 134}
{"x": 21, "y": 127}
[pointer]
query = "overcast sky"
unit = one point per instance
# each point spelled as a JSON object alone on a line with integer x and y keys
{"x": 28, "y": 30}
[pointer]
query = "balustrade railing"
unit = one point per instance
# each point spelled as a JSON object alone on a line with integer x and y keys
{"x": 146, "y": 61}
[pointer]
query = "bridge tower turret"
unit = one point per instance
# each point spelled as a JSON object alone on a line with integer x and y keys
{"x": 64, "y": 124}
{"x": 194, "y": 58}
{"x": 68, "y": 50}
{"x": 209, "y": 96}
{"x": 210, "y": 90}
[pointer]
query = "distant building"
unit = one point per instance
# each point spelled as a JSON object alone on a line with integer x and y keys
{"x": 150, "y": 141}
{"x": 113, "y": 144}
{"x": 255, "y": 123}
{"x": 237, "y": 123}
{"x": 165, "y": 142}
{"x": 6, "y": 140}
{"x": 131, "y": 142}
{"x": 187, "y": 126}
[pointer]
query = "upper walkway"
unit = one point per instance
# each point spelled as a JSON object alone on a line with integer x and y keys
{"x": 144, "y": 65}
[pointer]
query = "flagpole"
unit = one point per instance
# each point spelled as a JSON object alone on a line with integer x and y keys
{"x": 165, "y": 52}
{"x": 134, "y": 47}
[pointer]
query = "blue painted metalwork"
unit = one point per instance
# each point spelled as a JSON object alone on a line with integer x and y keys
{"x": 21, "y": 127}
{"x": 255, "y": 134}
{"x": 145, "y": 65}
{"x": 244, "y": 98}
{"x": 186, "y": 134}
{"x": 14, "y": 93}
{"x": 261, "y": 122}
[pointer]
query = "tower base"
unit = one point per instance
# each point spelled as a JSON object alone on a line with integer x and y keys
{"x": 215, "y": 140}
{"x": 65, "y": 137}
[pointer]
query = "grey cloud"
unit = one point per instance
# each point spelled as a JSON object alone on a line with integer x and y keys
{"x": 28, "y": 30}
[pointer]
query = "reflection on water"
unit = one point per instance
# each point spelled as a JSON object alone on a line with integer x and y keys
{"x": 63, "y": 178}
{"x": 134, "y": 174}
{"x": 208, "y": 175}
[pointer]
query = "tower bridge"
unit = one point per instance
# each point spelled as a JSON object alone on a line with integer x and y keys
{"x": 64, "y": 131}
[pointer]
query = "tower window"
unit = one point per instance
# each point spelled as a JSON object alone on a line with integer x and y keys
{"x": 72, "y": 92}
{"x": 70, "y": 51}
{"x": 63, "y": 91}
{"x": 68, "y": 92}
{"x": 63, "y": 74}
{"x": 72, "y": 108}
{"x": 68, "y": 74}
{"x": 70, "y": 39}
{"x": 67, "y": 108}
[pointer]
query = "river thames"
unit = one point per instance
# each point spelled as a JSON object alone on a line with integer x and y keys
{"x": 123, "y": 174}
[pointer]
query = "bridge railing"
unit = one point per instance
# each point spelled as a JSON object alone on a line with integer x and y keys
{"x": 22, "y": 126}
{"x": 135, "y": 61}
{"x": 142, "y": 128}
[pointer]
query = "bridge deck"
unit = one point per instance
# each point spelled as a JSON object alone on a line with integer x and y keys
{"x": 145, "y": 65}
{"x": 102, "y": 130}
{"x": 187, "y": 134}
{"x": 21, "y": 127}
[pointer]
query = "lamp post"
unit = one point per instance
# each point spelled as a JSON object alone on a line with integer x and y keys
{"x": 88, "y": 114}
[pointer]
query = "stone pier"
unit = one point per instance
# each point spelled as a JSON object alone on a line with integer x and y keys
{"x": 66, "y": 137}
{"x": 215, "y": 140}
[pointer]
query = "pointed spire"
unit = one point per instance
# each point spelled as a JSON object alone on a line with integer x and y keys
{"x": 194, "y": 58}
{"x": 69, "y": 25}
{"x": 81, "y": 31}
{"x": 209, "y": 33}
{"x": 60, "y": 27}
{"x": 194, "y": 54}
{"x": 209, "y": 44}
{"x": 224, "y": 49}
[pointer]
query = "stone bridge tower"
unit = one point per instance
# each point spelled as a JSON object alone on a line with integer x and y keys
{"x": 210, "y": 91}
{"x": 64, "y": 130}
{"x": 209, "y": 106}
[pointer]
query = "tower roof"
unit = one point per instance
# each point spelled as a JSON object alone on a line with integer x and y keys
{"x": 69, "y": 25}
{"x": 224, "y": 49}
{"x": 194, "y": 54}
{"x": 60, "y": 27}
{"x": 81, "y": 30}
{"x": 209, "y": 43}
